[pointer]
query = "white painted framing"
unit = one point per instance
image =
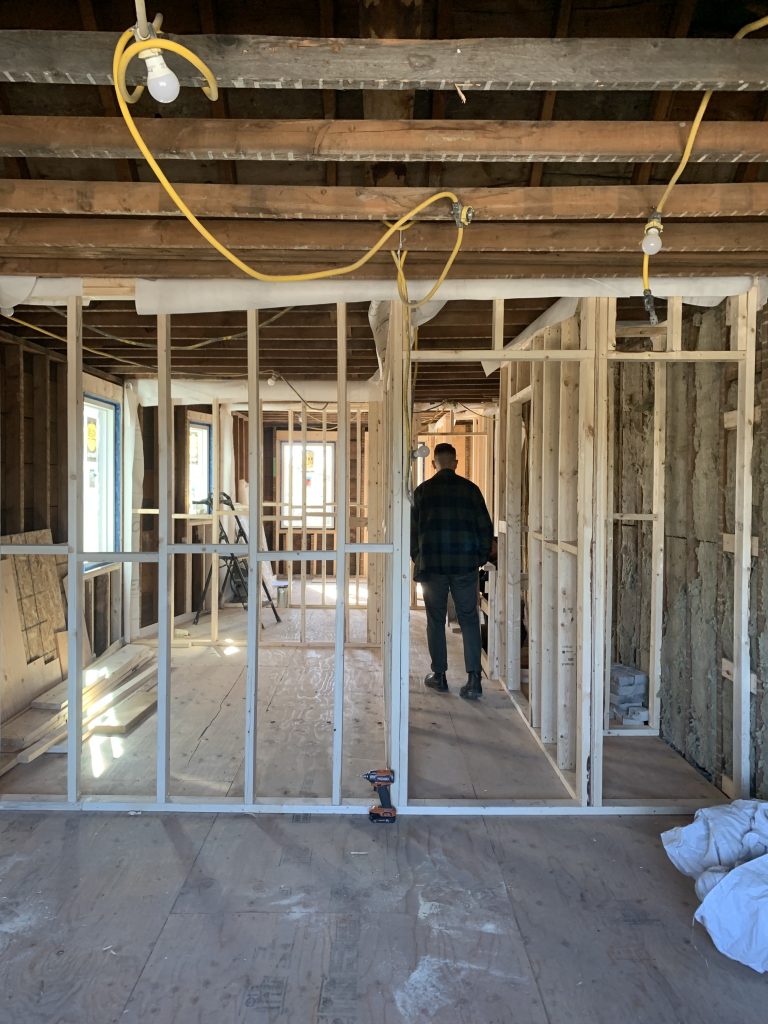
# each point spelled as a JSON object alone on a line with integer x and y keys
{"x": 597, "y": 325}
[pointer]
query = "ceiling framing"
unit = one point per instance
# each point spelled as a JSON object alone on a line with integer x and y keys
{"x": 558, "y": 122}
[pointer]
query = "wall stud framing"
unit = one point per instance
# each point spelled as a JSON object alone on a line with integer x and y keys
{"x": 743, "y": 319}
{"x": 75, "y": 589}
{"x": 341, "y": 548}
{"x": 658, "y": 499}
{"x": 165, "y": 564}
{"x": 254, "y": 565}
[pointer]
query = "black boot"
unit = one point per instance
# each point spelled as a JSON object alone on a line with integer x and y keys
{"x": 437, "y": 681}
{"x": 472, "y": 689}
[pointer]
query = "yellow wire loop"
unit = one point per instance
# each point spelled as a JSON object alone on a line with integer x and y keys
{"x": 124, "y": 54}
{"x": 753, "y": 26}
{"x": 211, "y": 90}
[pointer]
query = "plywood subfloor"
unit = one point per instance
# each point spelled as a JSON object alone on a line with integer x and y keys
{"x": 318, "y": 920}
{"x": 294, "y": 731}
{"x": 458, "y": 750}
{"x": 647, "y": 768}
{"x": 470, "y": 750}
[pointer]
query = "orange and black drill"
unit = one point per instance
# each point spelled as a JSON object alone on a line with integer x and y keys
{"x": 381, "y": 779}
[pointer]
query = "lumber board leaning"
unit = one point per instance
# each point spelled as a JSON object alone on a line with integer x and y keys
{"x": 123, "y": 718}
{"x": 107, "y": 671}
{"x": 101, "y": 705}
{"x": 291, "y": 62}
{"x": 28, "y": 727}
{"x": 176, "y": 138}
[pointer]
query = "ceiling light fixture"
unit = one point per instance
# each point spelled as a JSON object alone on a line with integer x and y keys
{"x": 148, "y": 44}
{"x": 162, "y": 83}
{"x": 651, "y": 243}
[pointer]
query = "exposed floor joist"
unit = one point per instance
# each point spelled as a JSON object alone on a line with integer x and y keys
{"x": 269, "y": 62}
{"x": 581, "y": 202}
{"x": 468, "y": 141}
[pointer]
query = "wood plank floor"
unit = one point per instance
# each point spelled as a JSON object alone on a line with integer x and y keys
{"x": 457, "y": 749}
{"x": 318, "y": 920}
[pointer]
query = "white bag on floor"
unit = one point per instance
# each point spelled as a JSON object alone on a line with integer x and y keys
{"x": 735, "y": 913}
{"x": 726, "y": 850}
{"x": 719, "y": 836}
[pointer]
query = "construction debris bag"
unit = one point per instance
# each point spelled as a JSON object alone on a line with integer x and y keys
{"x": 735, "y": 913}
{"x": 725, "y": 850}
{"x": 719, "y": 836}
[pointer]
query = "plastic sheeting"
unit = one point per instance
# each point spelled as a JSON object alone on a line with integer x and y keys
{"x": 50, "y": 291}
{"x": 725, "y": 850}
{"x": 559, "y": 311}
{"x": 215, "y": 296}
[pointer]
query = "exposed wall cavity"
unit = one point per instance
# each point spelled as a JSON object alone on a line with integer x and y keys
{"x": 696, "y": 700}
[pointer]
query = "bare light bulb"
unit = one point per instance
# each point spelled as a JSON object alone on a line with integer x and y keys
{"x": 162, "y": 83}
{"x": 271, "y": 380}
{"x": 7, "y": 310}
{"x": 651, "y": 243}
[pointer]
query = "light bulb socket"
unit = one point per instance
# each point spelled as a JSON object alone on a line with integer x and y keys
{"x": 651, "y": 243}
{"x": 650, "y": 307}
{"x": 421, "y": 452}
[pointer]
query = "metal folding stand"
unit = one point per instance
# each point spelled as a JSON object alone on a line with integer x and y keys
{"x": 237, "y": 567}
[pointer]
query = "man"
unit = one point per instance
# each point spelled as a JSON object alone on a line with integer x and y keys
{"x": 451, "y": 535}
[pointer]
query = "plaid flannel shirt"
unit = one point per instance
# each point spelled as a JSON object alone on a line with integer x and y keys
{"x": 451, "y": 531}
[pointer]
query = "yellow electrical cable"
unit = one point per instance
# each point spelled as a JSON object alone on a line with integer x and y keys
{"x": 123, "y": 55}
{"x": 57, "y": 337}
{"x": 753, "y": 26}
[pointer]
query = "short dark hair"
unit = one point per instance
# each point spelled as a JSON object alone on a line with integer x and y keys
{"x": 445, "y": 449}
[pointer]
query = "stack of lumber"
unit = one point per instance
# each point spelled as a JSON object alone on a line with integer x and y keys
{"x": 115, "y": 700}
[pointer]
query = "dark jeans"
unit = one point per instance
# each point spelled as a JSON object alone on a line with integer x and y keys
{"x": 463, "y": 589}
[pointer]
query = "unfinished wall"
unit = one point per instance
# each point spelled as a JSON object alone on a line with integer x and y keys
{"x": 696, "y": 698}
{"x": 695, "y": 565}
{"x": 759, "y": 594}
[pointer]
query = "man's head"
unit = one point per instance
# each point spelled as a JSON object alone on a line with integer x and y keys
{"x": 445, "y": 457}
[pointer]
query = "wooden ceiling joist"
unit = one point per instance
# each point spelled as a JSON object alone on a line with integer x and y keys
{"x": 454, "y": 141}
{"x": 284, "y": 62}
{"x": 580, "y": 202}
{"x": 328, "y": 241}
{"x": 470, "y": 266}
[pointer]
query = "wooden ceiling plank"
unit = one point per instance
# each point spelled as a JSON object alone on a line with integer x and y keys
{"x": 682, "y": 16}
{"x": 503, "y": 268}
{"x": 284, "y": 62}
{"x": 125, "y": 170}
{"x": 548, "y": 103}
{"x": 578, "y": 202}
{"x": 327, "y": 241}
{"x": 447, "y": 141}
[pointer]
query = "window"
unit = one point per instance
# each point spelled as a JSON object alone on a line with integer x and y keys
{"x": 317, "y": 475}
{"x": 200, "y": 465}
{"x": 101, "y": 476}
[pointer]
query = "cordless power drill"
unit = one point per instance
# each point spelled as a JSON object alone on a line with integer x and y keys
{"x": 381, "y": 779}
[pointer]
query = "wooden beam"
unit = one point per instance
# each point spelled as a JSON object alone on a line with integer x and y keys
{"x": 548, "y": 103}
{"x": 682, "y": 15}
{"x": 285, "y": 62}
{"x": 104, "y": 235}
{"x": 587, "y": 202}
{"x": 124, "y": 171}
{"x": 44, "y": 263}
{"x": 172, "y": 138}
